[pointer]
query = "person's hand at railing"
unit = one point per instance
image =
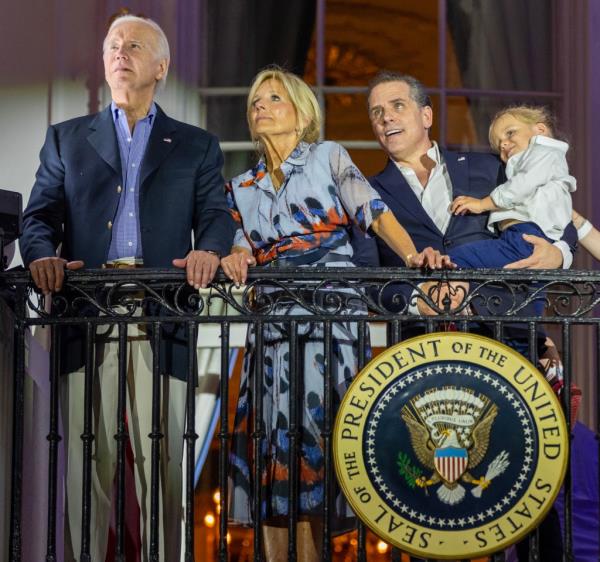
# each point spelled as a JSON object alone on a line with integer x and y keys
{"x": 236, "y": 264}
{"x": 48, "y": 273}
{"x": 395, "y": 236}
{"x": 200, "y": 267}
{"x": 545, "y": 255}
{"x": 429, "y": 258}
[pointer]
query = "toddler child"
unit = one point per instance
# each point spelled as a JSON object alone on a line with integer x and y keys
{"x": 535, "y": 199}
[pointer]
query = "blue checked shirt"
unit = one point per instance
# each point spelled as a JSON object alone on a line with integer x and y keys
{"x": 126, "y": 241}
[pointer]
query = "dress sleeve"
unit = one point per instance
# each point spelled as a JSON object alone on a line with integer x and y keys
{"x": 360, "y": 200}
{"x": 239, "y": 238}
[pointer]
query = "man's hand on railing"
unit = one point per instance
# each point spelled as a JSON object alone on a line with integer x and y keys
{"x": 200, "y": 267}
{"x": 49, "y": 273}
{"x": 236, "y": 264}
{"x": 430, "y": 258}
{"x": 544, "y": 256}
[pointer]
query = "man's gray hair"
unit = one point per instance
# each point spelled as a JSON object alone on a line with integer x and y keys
{"x": 162, "y": 43}
{"x": 416, "y": 88}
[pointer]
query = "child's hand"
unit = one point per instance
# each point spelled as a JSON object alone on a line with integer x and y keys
{"x": 463, "y": 204}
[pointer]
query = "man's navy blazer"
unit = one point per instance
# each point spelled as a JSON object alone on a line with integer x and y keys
{"x": 77, "y": 189}
{"x": 472, "y": 174}
{"x": 78, "y": 184}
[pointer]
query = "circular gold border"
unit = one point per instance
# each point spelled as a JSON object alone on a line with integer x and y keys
{"x": 453, "y": 546}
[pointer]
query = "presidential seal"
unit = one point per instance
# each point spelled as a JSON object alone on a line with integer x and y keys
{"x": 450, "y": 445}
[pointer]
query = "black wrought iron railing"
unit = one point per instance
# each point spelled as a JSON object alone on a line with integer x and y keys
{"x": 500, "y": 303}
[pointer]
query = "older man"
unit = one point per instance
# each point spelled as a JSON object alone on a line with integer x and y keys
{"x": 127, "y": 187}
{"x": 418, "y": 184}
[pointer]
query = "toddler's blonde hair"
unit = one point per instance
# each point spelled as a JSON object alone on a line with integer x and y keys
{"x": 529, "y": 114}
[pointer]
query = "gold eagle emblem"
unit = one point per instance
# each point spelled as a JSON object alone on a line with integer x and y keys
{"x": 449, "y": 432}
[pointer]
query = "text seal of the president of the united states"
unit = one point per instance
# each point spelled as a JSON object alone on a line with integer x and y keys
{"x": 450, "y": 445}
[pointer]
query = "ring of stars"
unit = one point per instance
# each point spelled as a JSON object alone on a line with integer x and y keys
{"x": 408, "y": 511}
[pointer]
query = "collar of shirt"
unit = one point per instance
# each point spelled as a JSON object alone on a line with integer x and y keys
{"x": 120, "y": 117}
{"x": 436, "y": 199}
{"x": 537, "y": 140}
{"x": 549, "y": 141}
{"x": 297, "y": 157}
{"x": 411, "y": 177}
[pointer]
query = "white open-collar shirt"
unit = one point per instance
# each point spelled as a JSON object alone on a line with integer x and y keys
{"x": 436, "y": 194}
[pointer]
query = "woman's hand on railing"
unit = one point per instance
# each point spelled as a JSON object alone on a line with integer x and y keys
{"x": 430, "y": 258}
{"x": 236, "y": 264}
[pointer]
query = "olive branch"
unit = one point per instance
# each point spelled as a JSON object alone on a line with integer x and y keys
{"x": 410, "y": 472}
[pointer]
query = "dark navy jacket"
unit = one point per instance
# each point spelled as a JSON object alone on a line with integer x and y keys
{"x": 471, "y": 174}
{"x": 77, "y": 189}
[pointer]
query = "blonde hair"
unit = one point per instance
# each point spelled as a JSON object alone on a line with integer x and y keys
{"x": 301, "y": 96}
{"x": 529, "y": 114}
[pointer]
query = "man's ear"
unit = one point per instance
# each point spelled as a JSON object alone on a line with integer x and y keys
{"x": 427, "y": 117}
{"x": 542, "y": 129}
{"x": 163, "y": 65}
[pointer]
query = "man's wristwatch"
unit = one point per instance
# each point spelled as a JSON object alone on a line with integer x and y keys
{"x": 213, "y": 253}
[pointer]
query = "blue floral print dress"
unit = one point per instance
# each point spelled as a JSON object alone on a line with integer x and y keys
{"x": 308, "y": 216}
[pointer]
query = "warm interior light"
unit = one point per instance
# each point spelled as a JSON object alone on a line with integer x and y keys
{"x": 382, "y": 547}
{"x": 217, "y": 497}
{"x": 209, "y": 520}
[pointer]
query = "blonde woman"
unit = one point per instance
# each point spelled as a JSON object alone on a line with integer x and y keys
{"x": 294, "y": 209}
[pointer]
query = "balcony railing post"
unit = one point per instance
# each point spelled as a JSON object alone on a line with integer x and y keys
{"x": 155, "y": 436}
{"x": 53, "y": 441}
{"x": 190, "y": 440}
{"x": 122, "y": 436}
{"x": 327, "y": 445}
{"x": 224, "y": 442}
{"x": 257, "y": 438}
{"x": 567, "y": 485}
{"x": 87, "y": 438}
{"x": 16, "y": 538}
{"x": 295, "y": 408}
{"x": 362, "y": 359}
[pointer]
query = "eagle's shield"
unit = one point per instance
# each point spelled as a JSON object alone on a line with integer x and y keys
{"x": 450, "y": 462}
